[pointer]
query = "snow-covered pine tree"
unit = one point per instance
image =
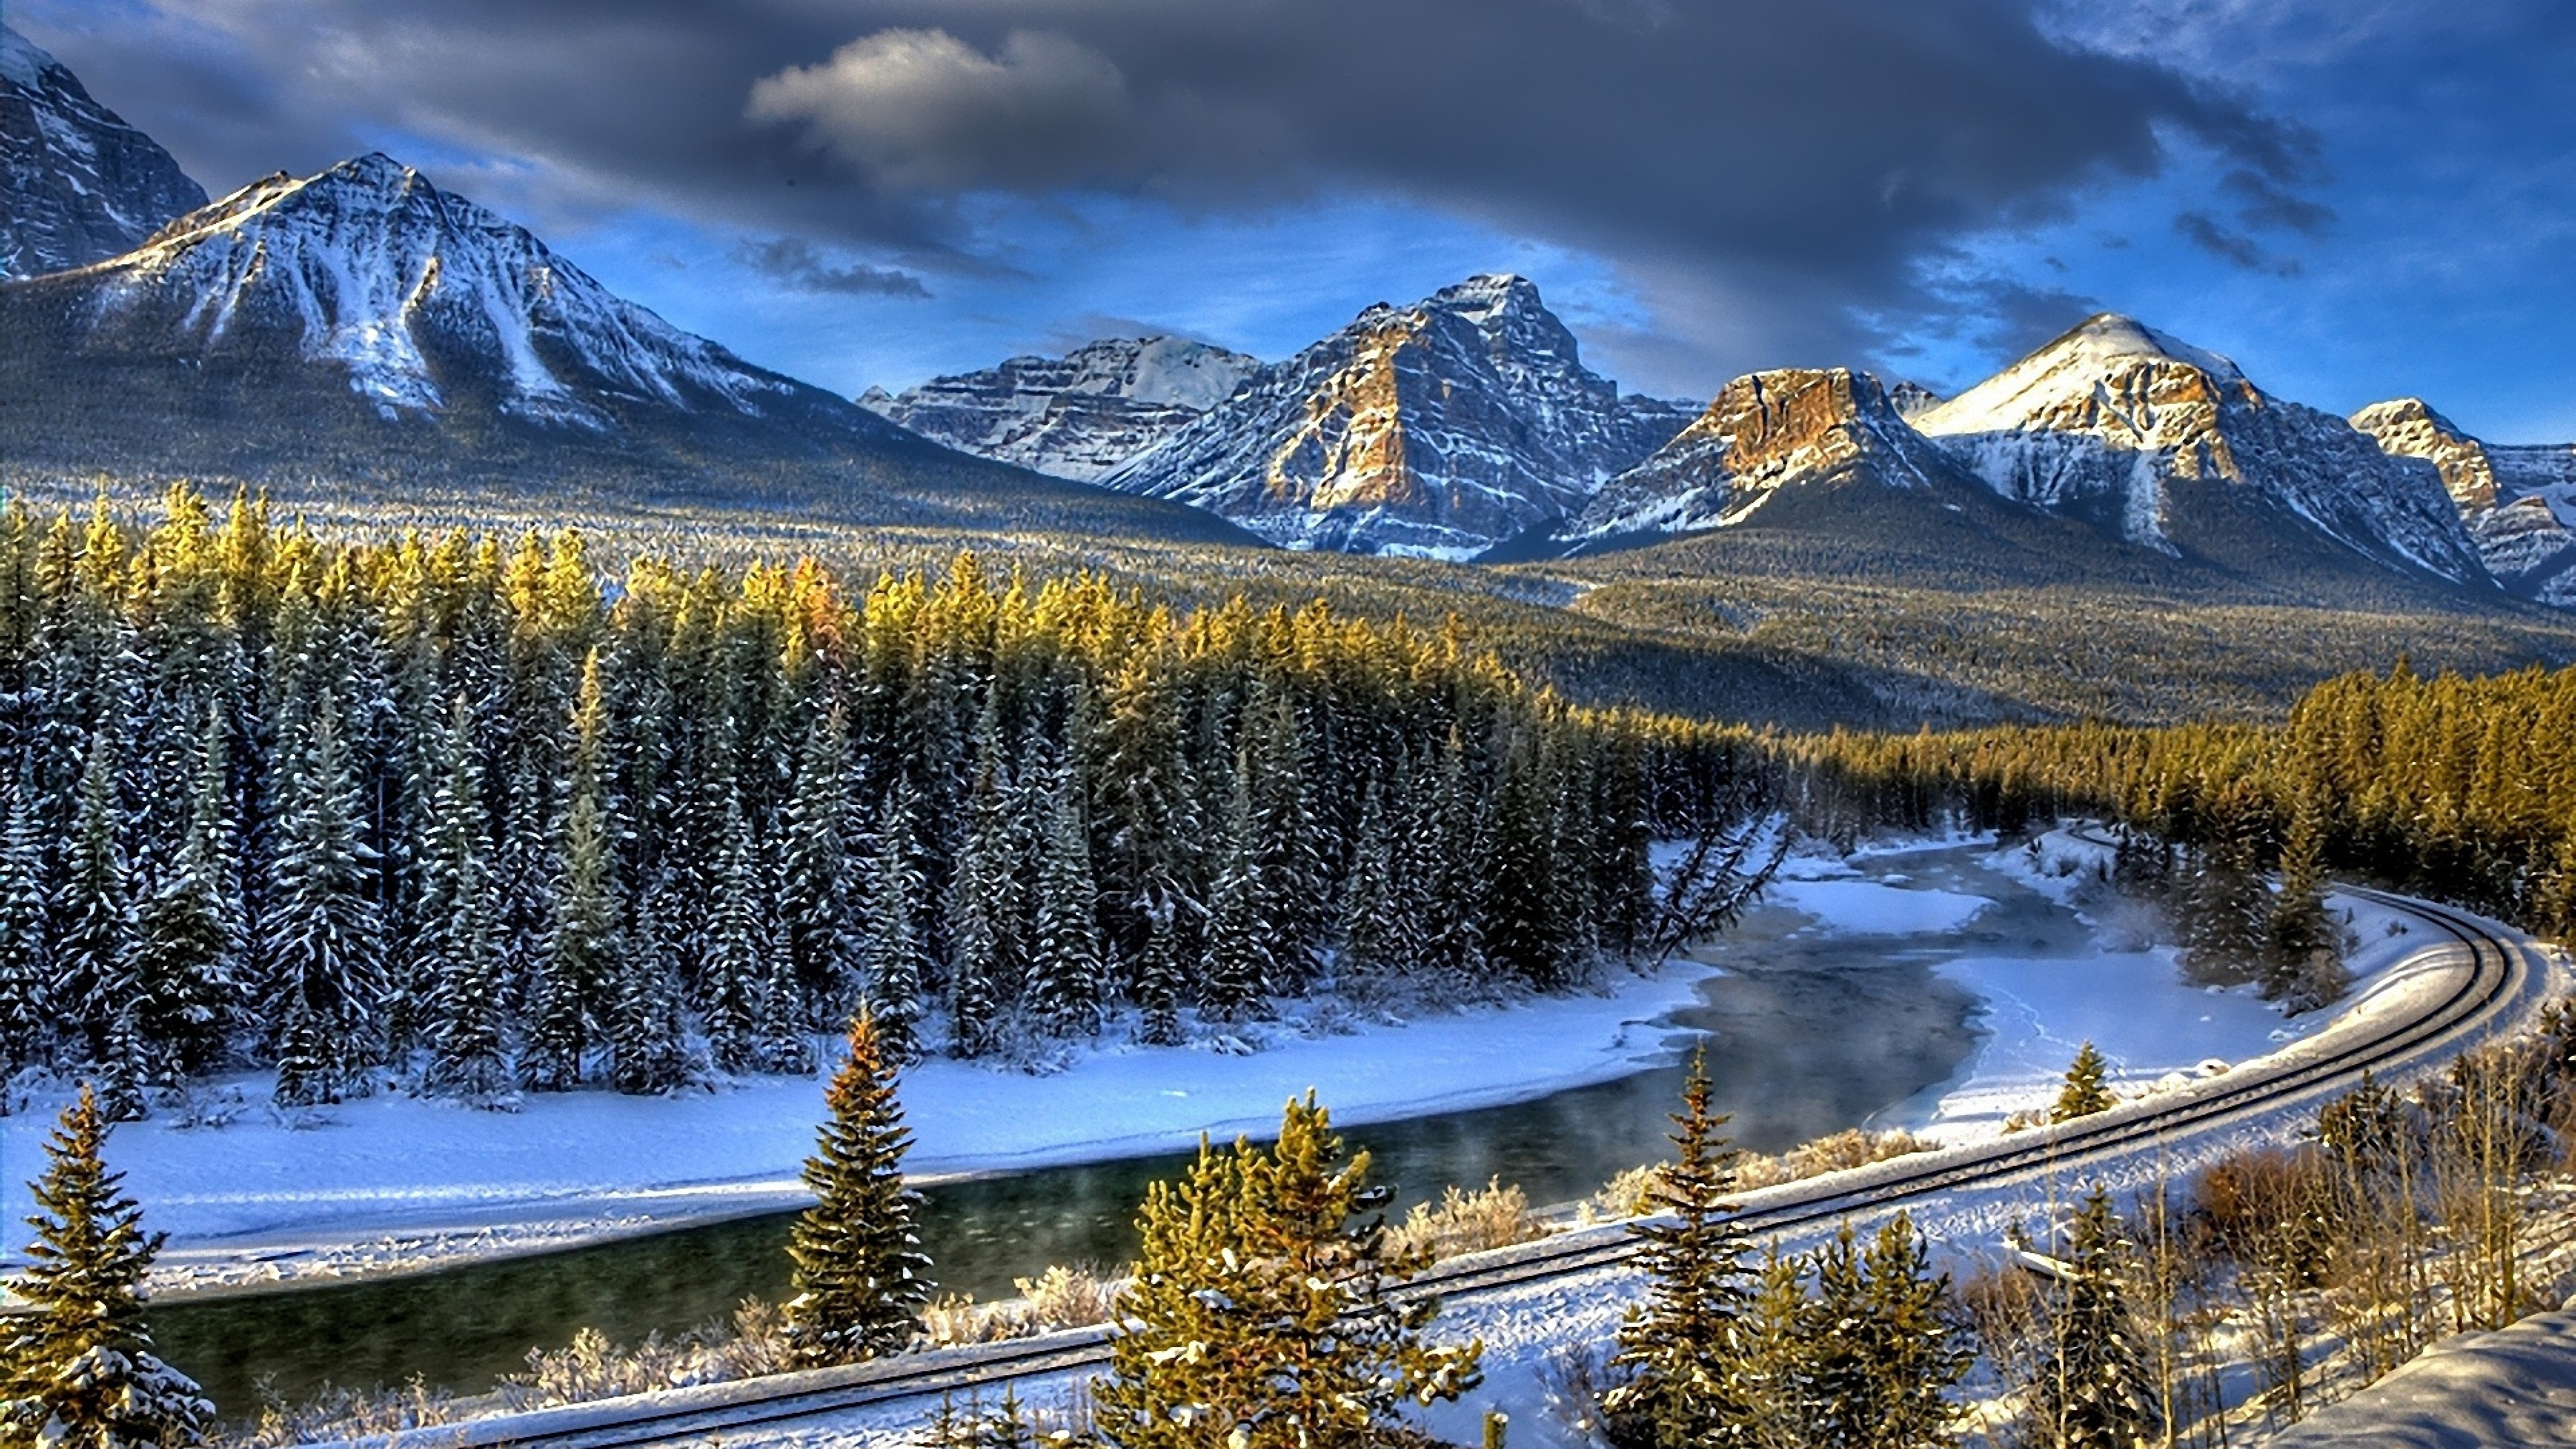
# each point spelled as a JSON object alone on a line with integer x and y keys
{"x": 1241, "y": 941}
{"x": 898, "y": 958}
{"x": 978, "y": 893}
{"x": 27, "y": 1013}
{"x": 735, "y": 975}
{"x": 1676, "y": 1346}
{"x": 325, "y": 941}
{"x": 1525, "y": 933}
{"x": 586, "y": 955}
{"x": 2087, "y": 1088}
{"x": 187, "y": 937}
{"x": 1159, "y": 981}
{"x": 1879, "y": 1352}
{"x": 1142, "y": 795}
{"x": 78, "y": 1370}
{"x": 1069, "y": 985}
{"x": 94, "y": 917}
{"x": 458, "y": 907}
{"x": 2092, "y": 1387}
{"x": 1371, "y": 931}
{"x": 814, "y": 902}
{"x": 1291, "y": 893}
{"x": 647, "y": 1036}
{"x": 1772, "y": 1368}
{"x": 860, "y": 1277}
{"x": 785, "y": 1046}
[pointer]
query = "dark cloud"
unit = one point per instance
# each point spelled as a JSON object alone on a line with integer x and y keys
{"x": 2262, "y": 201}
{"x": 797, "y": 263}
{"x": 1804, "y": 159}
{"x": 2232, "y": 247}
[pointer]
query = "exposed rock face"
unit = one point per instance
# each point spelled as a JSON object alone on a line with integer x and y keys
{"x": 2107, "y": 420}
{"x": 1912, "y": 399}
{"x": 1077, "y": 416}
{"x": 2519, "y": 502}
{"x": 1765, "y": 432}
{"x": 420, "y": 297}
{"x": 77, "y": 184}
{"x": 1440, "y": 429}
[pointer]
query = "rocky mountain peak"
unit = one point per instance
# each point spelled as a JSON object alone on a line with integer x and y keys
{"x": 420, "y": 295}
{"x": 77, "y": 184}
{"x": 2408, "y": 427}
{"x": 1765, "y": 432}
{"x": 1441, "y": 428}
{"x": 2113, "y": 420}
{"x": 1078, "y": 416}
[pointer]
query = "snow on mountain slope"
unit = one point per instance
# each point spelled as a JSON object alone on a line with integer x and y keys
{"x": 2519, "y": 503}
{"x": 1765, "y": 432}
{"x": 1077, "y": 416}
{"x": 77, "y": 184}
{"x": 420, "y": 295}
{"x": 2113, "y": 420}
{"x": 1438, "y": 429}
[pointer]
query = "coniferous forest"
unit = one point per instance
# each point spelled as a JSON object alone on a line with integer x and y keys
{"x": 472, "y": 815}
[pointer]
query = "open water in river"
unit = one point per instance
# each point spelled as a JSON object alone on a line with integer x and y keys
{"x": 1810, "y": 1032}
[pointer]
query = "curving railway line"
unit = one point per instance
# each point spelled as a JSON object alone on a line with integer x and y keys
{"x": 2498, "y": 971}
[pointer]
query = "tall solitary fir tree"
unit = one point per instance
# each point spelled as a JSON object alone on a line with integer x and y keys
{"x": 2087, "y": 1088}
{"x": 78, "y": 1370}
{"x": 860, "y": 1276}
{"x": 1676, "y": 1347}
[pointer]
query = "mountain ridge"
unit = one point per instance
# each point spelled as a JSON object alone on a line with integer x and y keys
{"x": 78, "y": 184}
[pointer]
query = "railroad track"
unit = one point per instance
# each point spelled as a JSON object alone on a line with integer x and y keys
{"x": 2498, "y": 969}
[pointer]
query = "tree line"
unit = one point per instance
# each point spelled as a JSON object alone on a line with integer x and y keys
{"x": 2449, "y": 786}
{"x": 479, "y": 815}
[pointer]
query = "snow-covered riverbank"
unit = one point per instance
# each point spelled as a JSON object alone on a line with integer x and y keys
{"x": 397, "y": 1183}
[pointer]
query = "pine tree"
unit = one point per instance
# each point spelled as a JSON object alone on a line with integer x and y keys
{"x": 898, "y": 958}
{"x": 2087, "y": 1089}
{"x": 1263, "y": 1313}
{"x": 93, "y": 955}
{"x": 736, "y": 975}
{"x": 979, "y": 898}
{"x": 458, "y": 905}
{"x": 2093, "y": 1388}
{"x": 1676, "y": 1346}
{"x": 26, "y": 996}
{"x": 80, "y": 1371}
{"x": 1880, "y": 1354}
{"x": 648, "y": 1052}
{"x": 325, "y": 941}
{"x": 1242, "y": 941}
{"x": 1772, "y": 1365}
{"x": 814, "y": 892}
{"x": 1068, "y": 979}
{"x": 586, "y": 955}
{"x": 860, "y": 1278}
{"x": 1371, "y": 930}
{"x": 186, "y": 937}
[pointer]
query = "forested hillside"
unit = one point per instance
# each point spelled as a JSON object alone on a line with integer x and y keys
{"x": 471, "y": 814}
{"x": 2463, "y": 789}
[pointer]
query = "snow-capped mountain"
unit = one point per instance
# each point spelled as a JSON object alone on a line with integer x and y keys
{"x": 1077, "y": 416}
{"x": 1439, "y": 429}
{"x": 2519, "y": 502}
{"x": 1765, "y": 433}
{"x": 2169, "y": 444}
{"x": 77, "y": 184}
{"x": 1912, "y": 399}
{"x": 420, "y": 297}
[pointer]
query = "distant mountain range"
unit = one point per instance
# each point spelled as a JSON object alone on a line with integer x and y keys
{"x": 362, "y": 324}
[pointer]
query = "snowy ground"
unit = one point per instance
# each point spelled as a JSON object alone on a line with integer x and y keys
{"x": 2158, "y": 1033}
{"x": 393, "y": 1183}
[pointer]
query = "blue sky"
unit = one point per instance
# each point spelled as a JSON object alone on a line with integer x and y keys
{"x": 2355, "y": 200}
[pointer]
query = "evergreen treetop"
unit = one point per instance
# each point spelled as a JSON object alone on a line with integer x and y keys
{"x": 860, "y": 1277}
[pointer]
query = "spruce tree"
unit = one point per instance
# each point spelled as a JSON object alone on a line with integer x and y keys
{"x": 1158, "y": 980}
{"x": 2093, "y": 1388}
{"x": 980, "y": 895}
{"x": 457, "y": 910}
{"x": 325, "y": 941}
{"x": 93, "y": 954}
{"x": 2087, "y": 1088}
{"x": 79, "y": 1371}
{"x": 1881, "y": 1355}
{"x": 1371, "y": 931}
{"x": 736, "y": 972}
{"x": 1068, "y": 980}
{"x": 2302, "y": 956}
{"x": 1242, "y": 941}
{"x": 26, "y": 996}
{"x": 813, "y": 882}
{"x": 647, "y": 1047}
{"x": 1676, "y": 1346}
{"x": 897, "y": 956}
{"x": 860, "y": 1277}
{"x": 186, "y": 935}
{"x": 1772, "y": 1368}
{"x": 585, "y": 956}
{"x": 1263, "y": 1313}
